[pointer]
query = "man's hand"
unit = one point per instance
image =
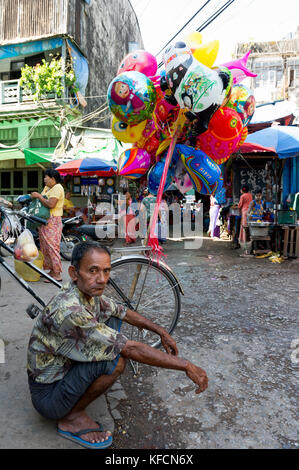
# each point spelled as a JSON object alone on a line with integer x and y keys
{"x": 169, "y": 344}
{"x": 198, "y": 376}
{"x": 35, "y": 195}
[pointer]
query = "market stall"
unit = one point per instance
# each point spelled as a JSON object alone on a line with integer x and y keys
{"x": 281, "y": 144}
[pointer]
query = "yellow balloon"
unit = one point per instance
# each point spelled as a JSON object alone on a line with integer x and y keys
{"x": 127, "y": 132}
{"x": 206, "y": 54}
{"x": 194, "y": 40}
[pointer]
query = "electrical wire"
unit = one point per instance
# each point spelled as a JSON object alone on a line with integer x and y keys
{"x": 186, "y": 24}
{"x": 203, "y": 26}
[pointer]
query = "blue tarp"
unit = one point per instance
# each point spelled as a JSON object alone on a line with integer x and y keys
{"x": 290, "y": 177}
{"x": 29, "y": 48}
{"x": 80, "y": 66}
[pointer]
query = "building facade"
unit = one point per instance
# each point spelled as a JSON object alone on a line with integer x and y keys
{"x": 276, "y": 64}
{"x": 86, "y": 37}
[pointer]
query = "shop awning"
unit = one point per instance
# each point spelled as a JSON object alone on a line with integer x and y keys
{"x": 11, "y": 155}
{"x": 38, "y": 155}
{"x": 283, "y": 140}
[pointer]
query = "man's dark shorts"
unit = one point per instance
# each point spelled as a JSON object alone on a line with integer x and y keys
{"x": 56, "y": 400}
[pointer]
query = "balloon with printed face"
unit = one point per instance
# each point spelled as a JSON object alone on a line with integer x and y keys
{"x": 204, "y": 173}
{"x": 243, "y": 102}
{"x": 125, "y": 132}
{"x": 182, "y": 178}
{"x": 133, "y": 163}
{"x": 139, "y": 61}
{"x": 223, "y": 135}
{"x": 131, "y": 97}
{"x": 194, "y": 86}
{"x": 154, "y": 177}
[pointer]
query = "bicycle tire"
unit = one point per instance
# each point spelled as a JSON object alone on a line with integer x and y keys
{"x": 154, "y": 281}
{"x": 72, "y": 238}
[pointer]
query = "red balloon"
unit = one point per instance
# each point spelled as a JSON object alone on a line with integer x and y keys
{"x": 223, "y": 135}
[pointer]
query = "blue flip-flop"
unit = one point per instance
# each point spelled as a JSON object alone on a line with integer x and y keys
{"x": 75, "y": 437}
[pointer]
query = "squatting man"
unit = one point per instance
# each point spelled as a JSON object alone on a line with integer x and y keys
{"x": 76, "y": 350}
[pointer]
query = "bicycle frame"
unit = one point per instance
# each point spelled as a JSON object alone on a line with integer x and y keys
{"x": 21, "y": 281}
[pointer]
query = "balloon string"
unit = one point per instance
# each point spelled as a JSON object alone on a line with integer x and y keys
{"x": 152, "y": 239}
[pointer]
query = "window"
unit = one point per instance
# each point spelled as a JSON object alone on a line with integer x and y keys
{"x": 16, "y": 65}
{"x": 18, "y": 179}
{"x": 44, "y": 137}
{"x": 18, "y": 182}
{"x": 32, "y": 180}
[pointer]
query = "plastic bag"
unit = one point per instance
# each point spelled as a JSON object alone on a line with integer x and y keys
{"x": 39, "y": 210}
{"x": 25, "y": 248}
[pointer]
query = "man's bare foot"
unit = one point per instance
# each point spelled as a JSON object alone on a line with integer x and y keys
{"x": 80, "y": 421}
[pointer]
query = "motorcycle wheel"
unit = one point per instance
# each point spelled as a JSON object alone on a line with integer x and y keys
{"x": 68, "y": 241}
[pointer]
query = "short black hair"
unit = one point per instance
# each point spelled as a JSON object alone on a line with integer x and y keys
{"x": 53, "y": 174}
{"x": 80, "y": 249}
{"x": 245, "y": 188}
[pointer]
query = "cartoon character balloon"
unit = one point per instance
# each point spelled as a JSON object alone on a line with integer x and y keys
{"x": 195, "y": 87}
{"x": 243, "y": 102}
{"x": 139, "y": 61}
{"x": 182, "y": 178}
{"x": 131, "y": 97}
{"x": 125, "y": 132}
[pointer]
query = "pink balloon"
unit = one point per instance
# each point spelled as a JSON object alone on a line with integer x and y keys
{"x": 134, "y": 163}
{"x": 139, "y": 61}
{"x": 239, "y": 69}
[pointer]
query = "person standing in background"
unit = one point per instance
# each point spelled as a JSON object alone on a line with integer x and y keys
{"x": 243, "y": 205}
{"x": 214, "y": 227}
{"x": 50, "y": 234}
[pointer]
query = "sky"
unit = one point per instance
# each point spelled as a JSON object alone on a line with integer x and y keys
{"x": 242, "y": 21}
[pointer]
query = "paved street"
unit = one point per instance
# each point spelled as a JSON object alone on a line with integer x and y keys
{"x": 238, "y": 322}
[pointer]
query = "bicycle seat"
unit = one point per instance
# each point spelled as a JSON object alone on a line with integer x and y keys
{"x": 88, "y": 230}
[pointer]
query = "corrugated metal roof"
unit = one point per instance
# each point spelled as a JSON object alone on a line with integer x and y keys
{"x": 31, "y": 19}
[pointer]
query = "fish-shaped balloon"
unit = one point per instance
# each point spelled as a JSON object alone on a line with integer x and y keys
{"x": 239, "y": 69}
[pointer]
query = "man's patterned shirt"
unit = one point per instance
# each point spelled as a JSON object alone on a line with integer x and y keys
{"x": 72, "y": 329}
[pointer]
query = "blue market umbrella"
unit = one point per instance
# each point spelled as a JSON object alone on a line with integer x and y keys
{"x": 283, "y": 140}
{"x": 98, "y": 165}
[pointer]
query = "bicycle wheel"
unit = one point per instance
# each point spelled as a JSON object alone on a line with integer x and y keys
{"x": 156, "y": 295}
{"x": 67, "y": 243}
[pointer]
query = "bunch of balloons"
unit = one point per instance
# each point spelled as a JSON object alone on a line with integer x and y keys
{"x": 206, "y": 106}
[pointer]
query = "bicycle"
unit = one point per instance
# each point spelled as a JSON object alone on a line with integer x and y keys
{"x": 10, "y": 229}
{"x": 137, "y": 281}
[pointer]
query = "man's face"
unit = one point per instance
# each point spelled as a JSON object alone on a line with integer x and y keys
{"x": 93, "y": 273}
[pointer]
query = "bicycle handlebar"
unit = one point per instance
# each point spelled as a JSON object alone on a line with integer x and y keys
{"x": 34, "y": 218}
{"x": 31, "y": 218}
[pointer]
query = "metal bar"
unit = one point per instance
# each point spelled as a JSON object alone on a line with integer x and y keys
{"x": 21, "y": 281}
{"x": 35, "y": 268}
